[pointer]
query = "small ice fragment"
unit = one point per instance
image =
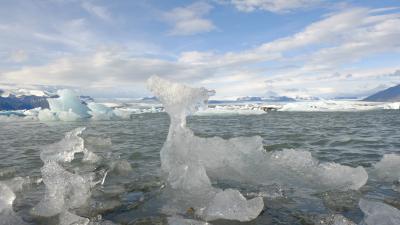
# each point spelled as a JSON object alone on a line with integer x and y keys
{"x": 100, "y": 112}
{"x": 388, "y": 169}
{"x": 67, "y": 218}
{"x": 7, "y": 215}
{"x": 7, "y": 197}
{"x": 176, "y": 220}
{"x": 121, "y": 166}
{"x": 334, "y": 219}
{"x": 379, "y": 213}
{"x": 231, "y": 204}
{"x": 64, "y": 150}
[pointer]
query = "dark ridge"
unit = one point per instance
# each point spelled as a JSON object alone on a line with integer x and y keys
{"x": 391, "y": 94}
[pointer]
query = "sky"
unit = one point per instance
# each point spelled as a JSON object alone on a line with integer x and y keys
{"x": 295, "y": 48}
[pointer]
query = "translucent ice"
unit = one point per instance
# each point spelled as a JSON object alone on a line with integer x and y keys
{"x": 100, "y": 111}
{"x": 388, "y": 168}
{"x": 184, "y": 172}
{"x": 7, "y": 215}
{"x": 64, "y": 150}
{"x": 65, "y": 191}
{"x": 188, "y": 161}
{"x": 332, "y": 219}
{"x": 175, "y": 220}
{"x": 7, "y": 197}
{"x": 379, "y": 213}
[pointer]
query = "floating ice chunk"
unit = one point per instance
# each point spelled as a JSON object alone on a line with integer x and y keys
{"x": 68, "y": 101}
{"x": 7, "y": 198}
{"x": 335, "y": 105}
{"x": 175, "y": 220}
{"x": 64, "y": 150}
{"x": 188, "y": 160}
{"x": 100, "y": 112}
{"x": 295, "y": 167}
{"x": 47, "y": 115}
{"x": 231, "y": 110}
{"x": 7, "y": 215}
{"x": 67, "y": 218}
{"x": 64, "y": 190}
{"x": 185, "y": 174}
{"x": 333, "y": 219}
{"x": 379, "y": 213}
{"x": 388, "y": 168}
{"x": 121, "y": 166}
{"x": 231, "y": 204}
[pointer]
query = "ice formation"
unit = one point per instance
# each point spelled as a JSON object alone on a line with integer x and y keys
{"x": 69, "y": 107}
{"x": 335, "y": 105}
{"x": 65, "y": 191}
{"x": 7, "y": 197}
{"x": 379, "y": 213}
{"x": 388, "y": 169}
{"x": 188, "y": 161}
{"x": 185, "y": 173}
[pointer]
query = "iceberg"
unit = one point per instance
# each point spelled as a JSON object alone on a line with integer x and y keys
{"x": 69, "y": 107}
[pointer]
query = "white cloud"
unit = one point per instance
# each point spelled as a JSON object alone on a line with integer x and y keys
{"x": 313, "y": 61}
{"x": 98, "y": 11}
{"x": 277, "y": 6}
{"x": 18, "y": 56}
{"x": 189, "y": 20}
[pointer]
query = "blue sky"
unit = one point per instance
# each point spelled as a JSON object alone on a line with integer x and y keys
{"x": 254, "y": 47}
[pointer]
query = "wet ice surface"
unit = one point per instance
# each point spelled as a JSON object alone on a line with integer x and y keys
{"x": 133, "y": 197}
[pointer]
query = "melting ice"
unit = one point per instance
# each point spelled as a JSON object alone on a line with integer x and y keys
{"x": 189, "y": 161}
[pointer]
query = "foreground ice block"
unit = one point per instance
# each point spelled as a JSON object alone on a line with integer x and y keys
{"x": 388, "y": 168}
{"x": 185, "y": 173}
{"x": 377, "y": 213}
{"x": 65, "y": 191}
{"x": 188, "y": 161}
{"x": 7, "y": 215}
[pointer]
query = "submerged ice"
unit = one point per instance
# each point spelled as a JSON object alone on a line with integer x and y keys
{"x": 189, "y": 162}
{"x": 378, "y": 213}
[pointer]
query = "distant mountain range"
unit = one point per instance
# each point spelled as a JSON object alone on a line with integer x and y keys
{"x": 391, "y": 94}
{"x": 12, "y": 102}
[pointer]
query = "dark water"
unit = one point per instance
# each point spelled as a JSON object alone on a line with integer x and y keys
{"x": 350, "y": 138}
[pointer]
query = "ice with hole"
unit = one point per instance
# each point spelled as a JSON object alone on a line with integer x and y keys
{"x": 188, "y": 162}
